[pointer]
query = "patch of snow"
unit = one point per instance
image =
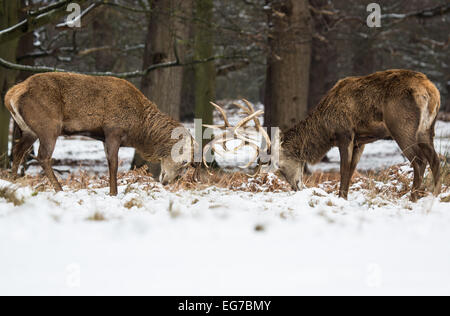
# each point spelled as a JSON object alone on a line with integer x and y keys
{"x": 219, "y": 242}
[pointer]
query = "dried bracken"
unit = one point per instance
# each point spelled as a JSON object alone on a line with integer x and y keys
{"x": 9, "y": 193}
{"x": 391, "y": 184}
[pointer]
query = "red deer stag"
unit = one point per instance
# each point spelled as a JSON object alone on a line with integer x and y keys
{"x": 108, "y": 109}
{"x": 396, "y": 104}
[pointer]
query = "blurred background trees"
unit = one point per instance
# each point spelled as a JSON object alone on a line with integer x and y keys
{"x": 283, "y": 53}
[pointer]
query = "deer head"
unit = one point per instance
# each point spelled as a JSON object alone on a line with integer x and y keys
{"x": 287, "y": 167}
{"x": 291, "y": 169}
{"x": 178, "y": 162}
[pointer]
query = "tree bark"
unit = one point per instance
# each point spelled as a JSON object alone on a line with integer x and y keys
{"x": 8, "y": 17}
{"x": 25, "y": 46}
{"x": 205, "y": 74}
{"x": 165, "y": 35}
{"x": 166, "y": 41}
{"x": 103, "y": 36}
{"x": 187, "y": 106}
{"x": 323, "y": 74}
{"x": 288, "y": 68}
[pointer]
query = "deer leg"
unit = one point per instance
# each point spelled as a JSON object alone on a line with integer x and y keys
{"x": 357, "y": 153}
{"x": 421, "y": 166}
{"x": 407, "y": 140}
{"x": 112, "y": 146}
{"x": 46, "y": 148}
{"x": 20, "y": 149}
{"x": 432, "y": 157}
{"x": 430, "y": 154}
{"x": 346, "y": 150}
{"x": 412, "y": 151}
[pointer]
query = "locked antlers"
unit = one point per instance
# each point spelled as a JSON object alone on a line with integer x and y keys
{"x": 236, "y": 132}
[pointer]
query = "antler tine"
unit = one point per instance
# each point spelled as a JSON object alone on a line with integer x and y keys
{"x": 224, "y": 115}
{"x": 225, "y": 120}
{"x": 234, "y": 133}
{"x": 249, "y": 105}
{"x": 257, "y": 152}
{"x": 214, "y": 126}
{"x": 264, "y": 133}
{"x": 258, "y": 124}
{"x": 254, "y": 116}
{"x": 249, "y": 110}
{"x": 257, "y": 171}
{"x": 249, "y": 118}
{"x": 243, "y": 108}
{"x": 244, "y": 140}
{"x": 221, "y": 140}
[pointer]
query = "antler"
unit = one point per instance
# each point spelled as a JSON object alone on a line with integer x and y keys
{"x": 249, "y": 110}
{"x": 232, "y": 133}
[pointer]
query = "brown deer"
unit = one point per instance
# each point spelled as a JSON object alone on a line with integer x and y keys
{"x": 396, "y": 104}
{"x": 111, "y": 110}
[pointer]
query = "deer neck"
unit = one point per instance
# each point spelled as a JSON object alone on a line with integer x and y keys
{"x": 308, "y": 141}
{"x": 154, "y": 134}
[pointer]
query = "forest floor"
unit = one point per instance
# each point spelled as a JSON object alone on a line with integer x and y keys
{"x": 229, "y": 234}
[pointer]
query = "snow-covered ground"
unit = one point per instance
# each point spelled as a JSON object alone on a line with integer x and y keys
{"x": 222, "y": 242}
{"x": 219, "y": 242}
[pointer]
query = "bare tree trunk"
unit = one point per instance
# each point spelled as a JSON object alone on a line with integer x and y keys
{"x": 205, "y": 74}
{"x": 103, "y": 36}
{"x": 187, "y": 106}
{"x": 165, "y": 36}
{"x": 289, "y": 63}
{"x": 25, "y": 46}
{"x": 8, "y": 17}
{"x": 165, "y": 30}
{"x": 323, "y": 74}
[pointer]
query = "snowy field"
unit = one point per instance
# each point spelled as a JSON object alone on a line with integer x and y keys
{"x": 222, "y": 242}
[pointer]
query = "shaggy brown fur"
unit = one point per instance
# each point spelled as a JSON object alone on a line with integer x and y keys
{"x": 397, "y": 104}
{"x": 108, "y": 109}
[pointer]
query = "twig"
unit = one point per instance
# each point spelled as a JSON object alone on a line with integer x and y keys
{"x": 125, "y": 75}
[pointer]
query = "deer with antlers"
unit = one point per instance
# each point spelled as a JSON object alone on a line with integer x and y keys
{"x": 111, "y": 110}
{"x": 396, "y": 104}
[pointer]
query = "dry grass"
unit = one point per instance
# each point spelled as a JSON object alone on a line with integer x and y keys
{"x": 10, "y": 195}
{"x": 235, "y": 181}
{"x": 97, "y": 217}
{"x": 390, "y": 184}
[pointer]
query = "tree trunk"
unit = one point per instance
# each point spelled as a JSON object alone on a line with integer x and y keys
{"x": 323, "y": 74}
{"x": 205, "y": 74}
{"x": 25, "y": 46}
{"x": 166, "y": 38}
{"x": 187, "y": 106}
{"x": 165, "y": 35}
{"x": 8, "y": 17}
{"x": 103, "y": 36}
{"x": 288, "y": 63}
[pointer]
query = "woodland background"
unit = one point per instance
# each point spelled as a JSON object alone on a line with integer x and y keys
{"x": 283, "y": 53}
